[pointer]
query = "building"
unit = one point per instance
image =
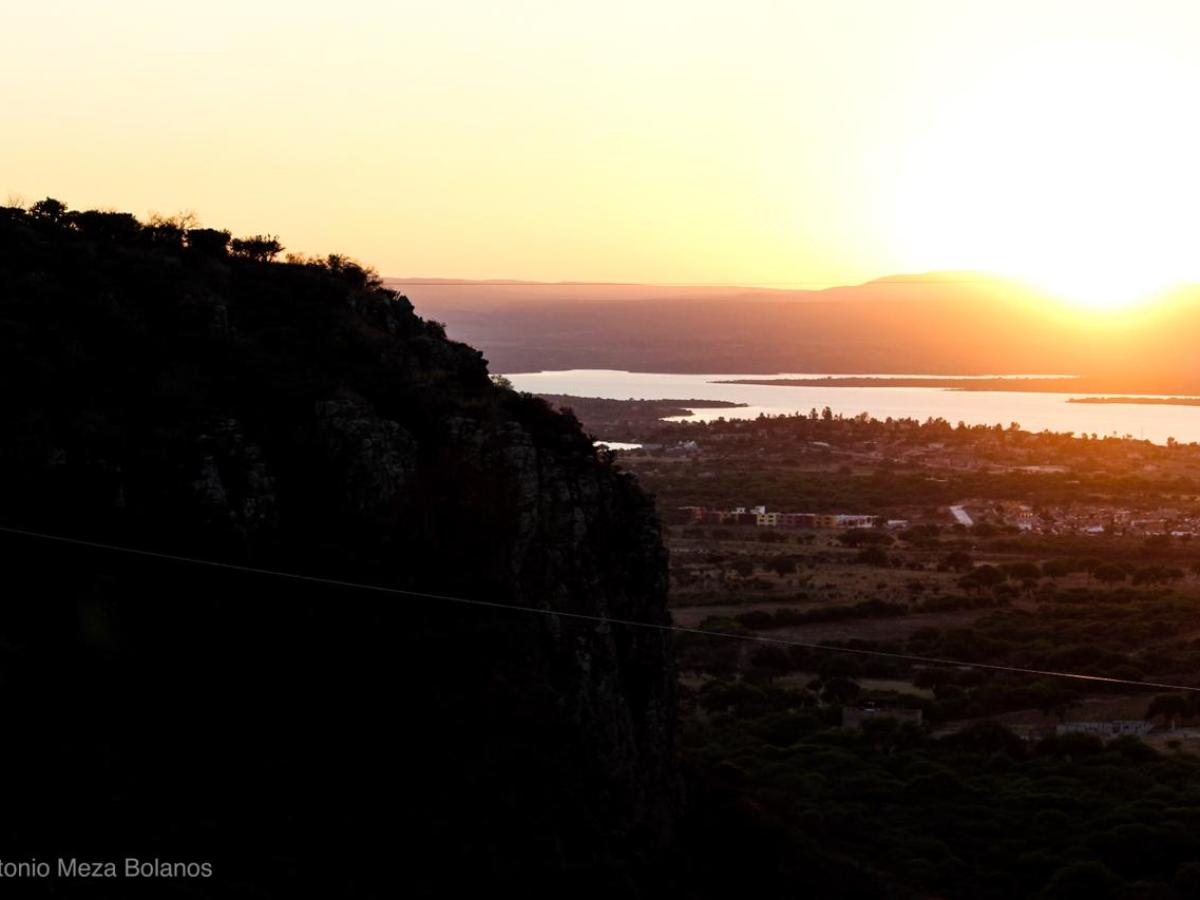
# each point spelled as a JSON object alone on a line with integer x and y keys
{"x": 760, "y": 516}
{"x": 798, "y": 520}
{"x": 855, "y": 521}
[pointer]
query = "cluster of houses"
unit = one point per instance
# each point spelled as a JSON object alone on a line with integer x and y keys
{"x": 758, "y": 515}
{"x": 1091, "y": 519}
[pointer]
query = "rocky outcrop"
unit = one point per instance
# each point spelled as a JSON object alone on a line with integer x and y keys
{"x": 375, "y": 457}
{"x": 233, "y": 485}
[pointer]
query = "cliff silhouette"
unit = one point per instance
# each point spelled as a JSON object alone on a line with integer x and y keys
{"x": 173, "y": 390}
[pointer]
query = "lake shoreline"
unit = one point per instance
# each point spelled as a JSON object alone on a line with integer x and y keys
{"x": 913, "y": 398}
{"x": 1020, "y": 384}
{"x": 1048, "y": 384}
{"x": 1140, "y": 401}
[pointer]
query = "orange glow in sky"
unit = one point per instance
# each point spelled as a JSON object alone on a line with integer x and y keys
{"x": 826, "y": 142}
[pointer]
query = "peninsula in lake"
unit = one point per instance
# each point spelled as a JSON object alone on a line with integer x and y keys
{"x": 627, "y": 420}
{"x": 1049, "y": 385}
{"x": 1140, "y": 401}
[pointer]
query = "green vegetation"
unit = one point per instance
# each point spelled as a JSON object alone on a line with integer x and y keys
{"x": 984, "y": 798}
{"x": 977, "y": 814}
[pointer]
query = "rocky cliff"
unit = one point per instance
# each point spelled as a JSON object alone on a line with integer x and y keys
{"x": 164, "y": 393}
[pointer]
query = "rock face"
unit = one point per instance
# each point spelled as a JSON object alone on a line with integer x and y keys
{"x": 295, "y": 417}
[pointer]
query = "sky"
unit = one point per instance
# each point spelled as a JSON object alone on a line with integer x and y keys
{"x": 663, "y": 141}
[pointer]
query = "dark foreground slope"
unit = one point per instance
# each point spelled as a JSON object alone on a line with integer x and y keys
{"x": 295, "y": 417}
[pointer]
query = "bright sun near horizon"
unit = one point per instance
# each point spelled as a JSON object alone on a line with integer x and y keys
{"x": 1074, "y": 167}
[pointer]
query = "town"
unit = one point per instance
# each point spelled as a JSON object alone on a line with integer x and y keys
{"x": 1080, "y": 519}
{"x": 988, "y": 545}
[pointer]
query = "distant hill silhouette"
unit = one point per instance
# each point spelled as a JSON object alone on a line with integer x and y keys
{"x": 931, "y": 323}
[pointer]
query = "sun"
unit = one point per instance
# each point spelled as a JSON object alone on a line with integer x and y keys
{"x": 1075, "y": 168}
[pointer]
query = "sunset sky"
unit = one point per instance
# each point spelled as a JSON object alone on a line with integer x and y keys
{"x": 633, "y": 141}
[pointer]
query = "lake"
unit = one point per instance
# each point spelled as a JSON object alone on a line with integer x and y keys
{"x": 1034, "y": 411}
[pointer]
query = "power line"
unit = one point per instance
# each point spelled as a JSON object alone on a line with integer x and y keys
{"x": 600, "y": 620}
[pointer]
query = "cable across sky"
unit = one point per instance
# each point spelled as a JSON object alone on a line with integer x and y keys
{"x": 599, "y": 620}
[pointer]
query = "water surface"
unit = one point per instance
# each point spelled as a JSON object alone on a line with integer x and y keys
{"x": 1033, "y": 411}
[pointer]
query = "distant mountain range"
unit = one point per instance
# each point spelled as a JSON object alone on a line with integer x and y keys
{"x": 939, "y": 323}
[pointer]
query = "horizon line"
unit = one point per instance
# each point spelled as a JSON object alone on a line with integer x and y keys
{"x": 893, "y": 279}
{"x": 814, "y": 287}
